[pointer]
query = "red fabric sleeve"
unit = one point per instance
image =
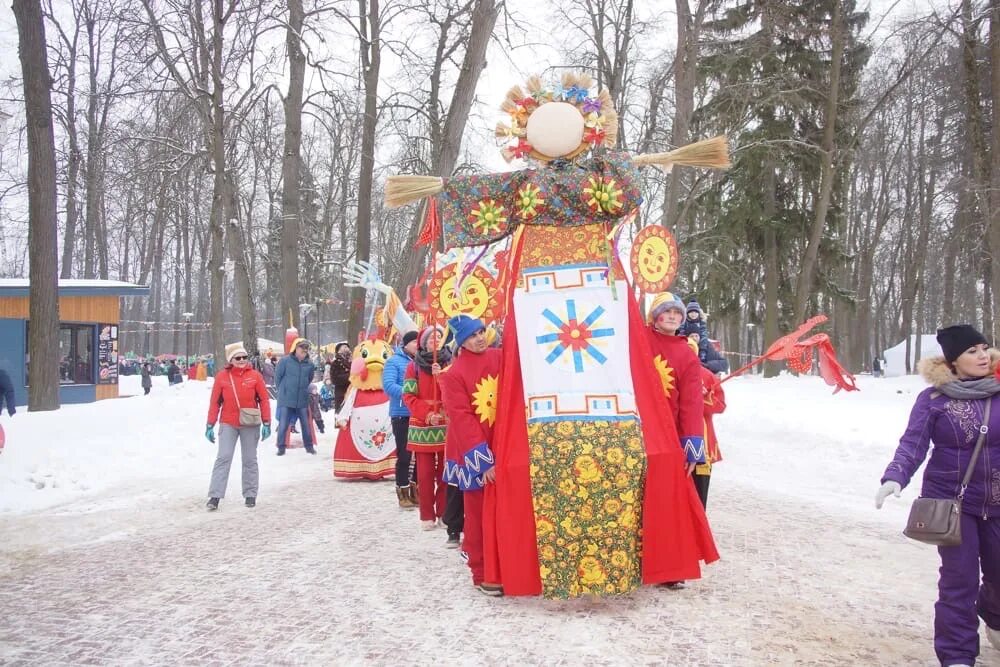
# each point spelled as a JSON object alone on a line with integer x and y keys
{"x": 417, "y": 406}
{"x": 690, "y": 417}
{"x": 215, "y": 402}
{"x": 715, "y": 397}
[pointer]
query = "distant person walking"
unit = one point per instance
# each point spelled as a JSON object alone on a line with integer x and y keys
{"x": 147, "y": 379}
{"x": 7, "y": 393}
{"x": 238, "y": 393}
{"x": 293, "y": 377}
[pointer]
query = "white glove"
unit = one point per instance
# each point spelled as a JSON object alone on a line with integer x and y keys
{"x": 363, "y": 274}
{"x": 890, "y": 488}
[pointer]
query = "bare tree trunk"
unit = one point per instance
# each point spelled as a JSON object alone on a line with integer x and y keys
{"x": 218, "y": 214}
{"x": 238, "y": 254}
{"x": 828, "y": 148}
{"x": 371, "y": 61}
{"x": 43, "y": 266}
{"x": 772, "y": 276}
{"x": 484, "y": 18}
{"x": 291, "y": 213}
{"x": 994, "y": 217}
{"x": 685, "y": 78}
{"x": 72, "y": 166}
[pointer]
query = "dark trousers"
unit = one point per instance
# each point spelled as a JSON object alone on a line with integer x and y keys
{"x": 454, "y": 511}
{"x": 701, "y": 486}
{"x": 145, "y": 391}
{"x": 286, "y": 421}
{"x": 961, "y": 596}
{"x": 401, "y": 431}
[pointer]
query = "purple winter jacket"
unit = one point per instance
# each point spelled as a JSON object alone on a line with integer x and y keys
{"x": 953, "y": 426}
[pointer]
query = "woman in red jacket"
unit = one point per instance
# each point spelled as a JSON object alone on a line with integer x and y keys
{"x": 238, "y": 387}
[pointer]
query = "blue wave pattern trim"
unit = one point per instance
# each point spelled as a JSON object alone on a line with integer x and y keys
{"x": 694, "y": 448}
{"x": 469, "y": 475}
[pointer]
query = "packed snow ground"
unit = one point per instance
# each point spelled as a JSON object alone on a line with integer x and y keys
{"x": 108, "y": 557}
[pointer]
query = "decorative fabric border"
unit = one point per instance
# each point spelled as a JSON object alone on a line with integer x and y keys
{"x": 469, "y": 475}
{"x": 694, "y": 448}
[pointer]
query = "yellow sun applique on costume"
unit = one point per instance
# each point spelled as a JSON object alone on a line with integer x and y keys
{"x": 485, "y": 399}
{"x": 666, "y": 375}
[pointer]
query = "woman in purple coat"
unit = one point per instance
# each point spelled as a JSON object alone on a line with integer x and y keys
{"x": 949, "y": 413}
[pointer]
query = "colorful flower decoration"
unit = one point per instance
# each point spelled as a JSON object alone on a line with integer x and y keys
{"x": 521, "y": 148}
{"x": 542, "y": 95}
{"x": 488, "y": 217}
{"x": 529, "y": 202}
{"x": 593, "y": 136}
{"x": 603, "y": 195}
{"x": 596, "y": 109}
{"x": 576, "y": 94}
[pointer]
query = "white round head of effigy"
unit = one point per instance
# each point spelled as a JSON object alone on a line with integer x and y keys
{"x": 560, "y": 121}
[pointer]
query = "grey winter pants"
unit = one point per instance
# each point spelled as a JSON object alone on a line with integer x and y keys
{"x": 248, "y": 437}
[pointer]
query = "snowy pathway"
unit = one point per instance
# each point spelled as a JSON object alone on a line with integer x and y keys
{"x": 326, "y": 572}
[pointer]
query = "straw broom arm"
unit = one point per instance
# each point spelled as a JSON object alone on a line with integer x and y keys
{"x": 405, "y": 189}
{"x": 709, "y": 153}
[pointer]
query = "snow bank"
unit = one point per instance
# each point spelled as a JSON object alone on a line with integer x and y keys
{"x": 789, "y": 436}
{"x": 132, "y": 446}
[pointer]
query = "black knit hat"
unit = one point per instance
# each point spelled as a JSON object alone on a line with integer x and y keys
{"x": 408, "y": 337}
{"x": 958, "y": 338}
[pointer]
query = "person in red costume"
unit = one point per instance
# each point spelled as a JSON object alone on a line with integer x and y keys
{"x": 469, "y": 393}
{"x": 428, "y": 423}
{"x": 680, "y": 374}
{"x": 713, "y": 402}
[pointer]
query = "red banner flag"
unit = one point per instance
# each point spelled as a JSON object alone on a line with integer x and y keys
{"x": 431, "y": 228}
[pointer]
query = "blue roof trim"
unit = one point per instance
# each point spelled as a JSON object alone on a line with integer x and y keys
{"x": 137, "y": 290}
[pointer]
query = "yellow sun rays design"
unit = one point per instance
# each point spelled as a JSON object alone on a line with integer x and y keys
{"x": 666, "y": 375}
{"x": 485, "y": 399}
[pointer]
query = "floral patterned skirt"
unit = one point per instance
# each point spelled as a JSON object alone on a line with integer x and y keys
{"x": 587, "y": 479}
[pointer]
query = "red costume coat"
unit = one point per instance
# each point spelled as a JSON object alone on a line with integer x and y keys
{"x": 422, "y": 396}
{"x": 469, "y": 394}
{"x": 714, "y": 402}
{"x": 680, "y": 375}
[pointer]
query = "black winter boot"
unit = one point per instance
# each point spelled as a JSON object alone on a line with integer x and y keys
{"x": 212, "y": 504}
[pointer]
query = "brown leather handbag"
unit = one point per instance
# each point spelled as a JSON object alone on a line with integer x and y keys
{"x": 938, "y": 521}
{"x": 248, "y": 416}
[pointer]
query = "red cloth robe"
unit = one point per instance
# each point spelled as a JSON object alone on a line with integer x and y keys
{"x": 468, "y": 391}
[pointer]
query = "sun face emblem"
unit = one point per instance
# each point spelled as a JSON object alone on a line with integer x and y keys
{"x": 485, "y": 399}
{"x": 666, "y": 374}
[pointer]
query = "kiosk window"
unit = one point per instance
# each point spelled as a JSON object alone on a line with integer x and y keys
{"x": 76, "y": 354}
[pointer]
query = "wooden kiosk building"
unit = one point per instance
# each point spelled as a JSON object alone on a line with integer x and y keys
{"x": 89, "y": 314}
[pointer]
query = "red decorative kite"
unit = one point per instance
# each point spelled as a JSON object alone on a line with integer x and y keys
{"x": 799, "y": 355}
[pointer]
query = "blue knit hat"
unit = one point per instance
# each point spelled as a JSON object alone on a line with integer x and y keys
{"x": 693, "y": 306}
{"x": 463, "y": 326}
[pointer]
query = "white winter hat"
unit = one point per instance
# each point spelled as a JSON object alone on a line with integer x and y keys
{"x": 234, "y": 349}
